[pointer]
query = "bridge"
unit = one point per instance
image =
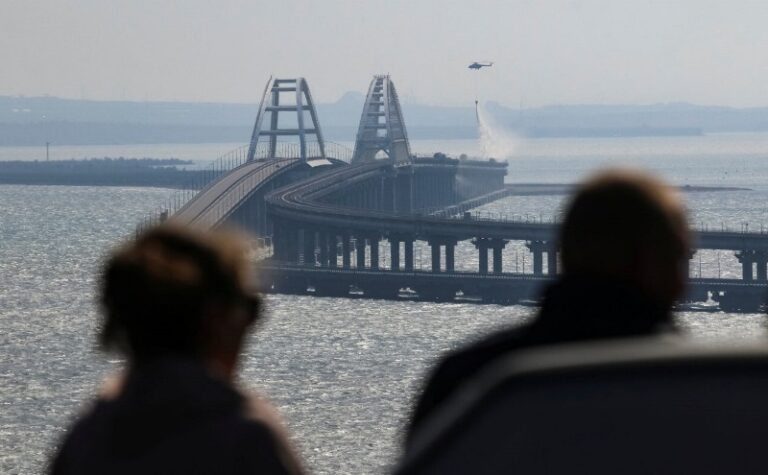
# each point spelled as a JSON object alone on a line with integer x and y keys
{"x": 234, "y": 189}
{"x": 315, "y": 224}
{"x": 327, "y": 210}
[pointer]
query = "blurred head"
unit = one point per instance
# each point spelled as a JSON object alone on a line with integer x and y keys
{"x": 631, "y": 227}
{"x": 178, "y": 291}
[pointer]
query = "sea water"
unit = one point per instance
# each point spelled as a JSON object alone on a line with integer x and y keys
{"x": 343, "y": 372}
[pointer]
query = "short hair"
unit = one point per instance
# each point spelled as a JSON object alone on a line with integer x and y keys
{"x": 615, "y": 218}
{"x": 155, "y": 289}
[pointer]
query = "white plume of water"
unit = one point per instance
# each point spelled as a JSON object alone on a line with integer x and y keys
{"x": 495, "y": 141}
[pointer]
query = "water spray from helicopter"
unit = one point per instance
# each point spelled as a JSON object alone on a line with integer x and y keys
{"x": 495, "y": 141}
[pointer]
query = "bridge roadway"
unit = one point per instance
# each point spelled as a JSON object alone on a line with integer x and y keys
{"x": 214, "y": 203}
{"x": 300, "y": 202}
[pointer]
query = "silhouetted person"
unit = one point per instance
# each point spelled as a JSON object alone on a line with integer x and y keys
{"x": 624, "y": 252}
{"x": 178, "y": 306}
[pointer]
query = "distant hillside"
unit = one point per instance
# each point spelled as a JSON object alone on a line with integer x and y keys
{"x": 35, "y": 120}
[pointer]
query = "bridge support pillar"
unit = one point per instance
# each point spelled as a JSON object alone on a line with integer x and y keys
{"x": 346, "y": 251}
{"x": 278, "y": 237}
{"x": 394, "y": 250}
{"x": 761, "y": 259}
{"x": 435, "y": 246}
{"x": 360, "y": 245}
{"x": 308, "y": 247}
{"x": 374, "y": 243}
{"x": 482, "y": 247}
{"x": 746, "y": 258}
{"x": 497, "y": 245}
{"x": 687, "y": 267}
{"x": 746, "y": 266}
{"x": 294, "y": 243}
{"x": 408, "y": 245}
{"x": 449, "y": 256}
{"x": 323, "y": 242}
{"x": 537, "y": 249}
{"x": 484, "y": 259}
{"x": 552, "y": 259}
{"x": 329, "y": 246}
{"x": 285, "y": 238}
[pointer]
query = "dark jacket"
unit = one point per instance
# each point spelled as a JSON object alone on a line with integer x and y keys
{"x": 171, "y": 417}
{"x": 575, "y": 308}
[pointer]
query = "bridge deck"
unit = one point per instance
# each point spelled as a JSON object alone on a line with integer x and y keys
{"x": 219, "y": 199}
{"x": 299, "y": 202}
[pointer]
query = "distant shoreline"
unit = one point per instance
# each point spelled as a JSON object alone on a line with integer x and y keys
{"x": 140, "y": 172}
{"x": 76, "y": 133}
{"x": 610, "y": 132}
{"x": 543, "y": 189}
{"x": 30, "y": 121}
{"x": 170, "y": 173}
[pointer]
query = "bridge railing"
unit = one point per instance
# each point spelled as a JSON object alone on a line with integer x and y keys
{"x": 742, "y": 228}
{"x": 541, "y": 218}
{"x": 481, "y": 215}
{"x": 209, "y": 173}
{"x": 293, "y": 150}
{"x": 224, "y": 205}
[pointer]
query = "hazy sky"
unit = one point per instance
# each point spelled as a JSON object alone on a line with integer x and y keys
{"x": 546, "y": 52}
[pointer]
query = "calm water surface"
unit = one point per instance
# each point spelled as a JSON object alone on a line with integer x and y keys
{"x": 343, "y": 372}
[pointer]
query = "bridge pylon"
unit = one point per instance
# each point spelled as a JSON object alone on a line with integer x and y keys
{"x": 382, "y": 128}
{"x": 291, "y": 98}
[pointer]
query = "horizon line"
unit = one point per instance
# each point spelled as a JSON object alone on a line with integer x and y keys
{"x": 404, "y": 103}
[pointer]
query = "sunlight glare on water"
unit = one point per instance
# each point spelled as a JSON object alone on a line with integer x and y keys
{"x": 343, "y": 372}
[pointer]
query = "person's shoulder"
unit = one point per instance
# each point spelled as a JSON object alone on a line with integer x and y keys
{"x": 459, "y": 366}
{"x": 75, "y": 442}
{"x": 257, "y": 408}
{"x": 485, "y": 349}
{"x": 262, "y": 429}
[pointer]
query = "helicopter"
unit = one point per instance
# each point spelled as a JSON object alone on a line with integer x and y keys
{"x": 477, "y": 65}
